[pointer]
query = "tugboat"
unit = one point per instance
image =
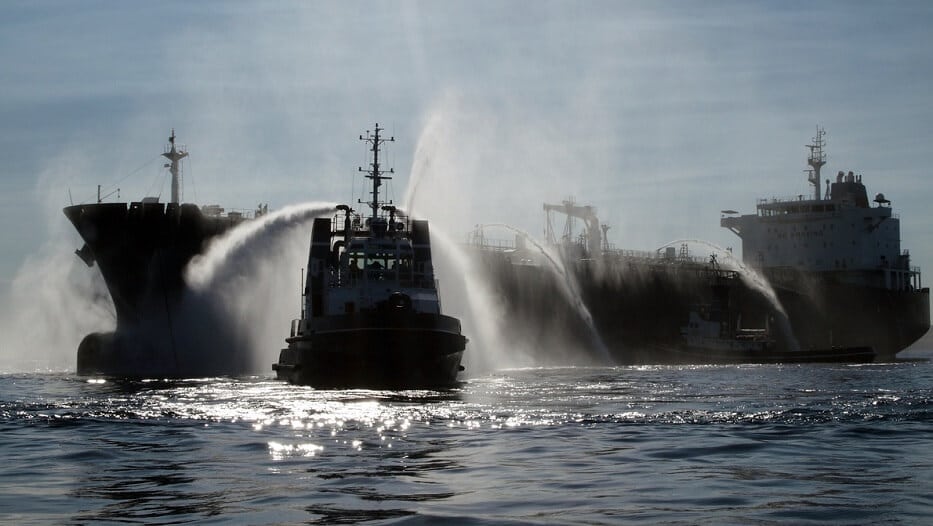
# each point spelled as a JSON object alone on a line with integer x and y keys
{"x": 713, "y": 334}
{"x": 371, "y": 313}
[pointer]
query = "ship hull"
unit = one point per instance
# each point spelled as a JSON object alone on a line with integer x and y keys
{"x": 695, "y": 355}
{"x": 637, "y": 310}
{"x": 825, "y": 312}
{"x": 375, "y": 350}
{"x": 141, "y": 250}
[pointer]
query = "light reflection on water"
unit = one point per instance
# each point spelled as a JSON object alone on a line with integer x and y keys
{"x": 643, "y": 444}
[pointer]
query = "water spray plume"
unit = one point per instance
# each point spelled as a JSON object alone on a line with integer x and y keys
{"x": 238, "y": 244}
{"x": 54, "y": 300}
{"x": 568, "y": 287}
{"x": 467, "y": 295}
{"x": 452, "y": 160}
{"x": 424, "y": 154}
{"x": 242, "y": 285}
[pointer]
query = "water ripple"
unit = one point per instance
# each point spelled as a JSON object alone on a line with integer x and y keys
{"x": 699, "y": 444}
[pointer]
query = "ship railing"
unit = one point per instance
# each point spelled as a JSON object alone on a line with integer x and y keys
{"x": 907, "y": 279}
{"x": 498, "y": 245}
{"x": 243, "y": 212}
{"x": 638, "y": 256}
{"x": 652, "y": 257}
{"x": 634, "y": 254}
{"x": 234, "y": 214}
{"x": 776, "y": 207}
{"x": 784, "y": 199}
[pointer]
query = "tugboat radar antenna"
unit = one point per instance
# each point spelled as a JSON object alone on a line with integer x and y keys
{"x": 375, "y": 173}
{"x": 816, "y": 161}
{"x": 174, "y": 155}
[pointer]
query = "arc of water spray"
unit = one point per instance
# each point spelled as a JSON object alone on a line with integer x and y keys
{"x": 482, "y": 310}
{"x": 204, "y": 269}
{"x": 569, "y": 287}
{"x": 757, "y": 281}
{"x": 422, "y": 163}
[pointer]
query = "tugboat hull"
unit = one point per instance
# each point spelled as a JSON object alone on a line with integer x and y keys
{"x": 404, "y": 350}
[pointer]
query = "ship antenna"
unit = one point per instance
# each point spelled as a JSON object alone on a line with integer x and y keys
{"x": 816, "y": 161}
{"x": 374, "y": 172}
{"x": 174, "y": 155}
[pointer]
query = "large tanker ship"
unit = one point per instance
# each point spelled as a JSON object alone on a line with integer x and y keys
{"x": 821, "y": 274}
{"x": 141, "y": 249}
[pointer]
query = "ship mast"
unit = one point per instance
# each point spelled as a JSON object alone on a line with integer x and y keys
{"x": 174, "y": 155}
{"x": 816, "y": 161}
{"x": 374, "y": 172}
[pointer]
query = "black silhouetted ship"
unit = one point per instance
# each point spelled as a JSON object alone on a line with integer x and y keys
{"x": 141, "y": 249}
{"x": 372, "y": 314}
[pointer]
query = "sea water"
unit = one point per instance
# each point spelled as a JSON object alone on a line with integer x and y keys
{"x": 761, "y": 444}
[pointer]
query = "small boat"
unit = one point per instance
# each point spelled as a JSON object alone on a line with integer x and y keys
{"x": 371, "y": 314}
{"x": 714, "y": 335}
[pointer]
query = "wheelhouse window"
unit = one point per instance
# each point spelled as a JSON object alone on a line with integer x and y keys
{"x": 381, "y": 265}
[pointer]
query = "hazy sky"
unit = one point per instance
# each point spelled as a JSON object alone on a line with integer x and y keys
{"x": 661, "y": 114}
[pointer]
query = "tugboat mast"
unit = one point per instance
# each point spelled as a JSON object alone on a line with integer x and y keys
{"x": 374, "y": 172}
{"x": 816, "y": 161}
{"x": 174, "y": 156}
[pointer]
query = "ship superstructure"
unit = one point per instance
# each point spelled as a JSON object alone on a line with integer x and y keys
{"x": 838, "y": 257}
{"x": 840, "y": 232}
